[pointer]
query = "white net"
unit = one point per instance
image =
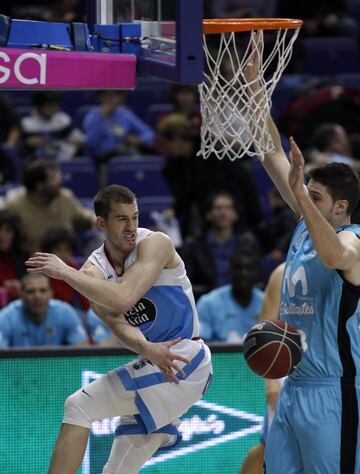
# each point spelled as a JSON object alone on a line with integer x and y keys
{"x": 233, "y": 110}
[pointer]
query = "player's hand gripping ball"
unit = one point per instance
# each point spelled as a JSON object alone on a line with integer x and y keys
{"x": 273, "y": 349}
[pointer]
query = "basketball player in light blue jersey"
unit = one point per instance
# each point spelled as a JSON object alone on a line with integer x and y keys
{"x": 137, "y": 284}
{"x": 316, "y": 424}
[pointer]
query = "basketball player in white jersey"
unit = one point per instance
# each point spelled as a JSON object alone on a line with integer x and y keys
{"x": 137, "y": 284}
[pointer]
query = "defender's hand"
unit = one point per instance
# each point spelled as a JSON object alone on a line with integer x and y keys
{"x": 296, "y": 174}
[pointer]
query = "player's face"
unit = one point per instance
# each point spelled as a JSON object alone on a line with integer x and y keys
{"x": 121, "y": 225}
{"x": 36, "y": 293}
{"x": 322, "y": 199}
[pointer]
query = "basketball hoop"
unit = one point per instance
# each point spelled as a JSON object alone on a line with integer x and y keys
{"x": 233, "y": 110}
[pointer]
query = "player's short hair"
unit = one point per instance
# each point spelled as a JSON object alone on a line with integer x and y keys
{"x": 341, "y": 182}
{"x": 109, "y": 194}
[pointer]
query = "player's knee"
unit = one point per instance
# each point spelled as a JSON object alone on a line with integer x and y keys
{"x": 130, "y": 453}
{"x": 75, "y": 411}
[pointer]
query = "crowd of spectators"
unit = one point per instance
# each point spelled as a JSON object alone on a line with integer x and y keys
{"x": 228, "y": 238}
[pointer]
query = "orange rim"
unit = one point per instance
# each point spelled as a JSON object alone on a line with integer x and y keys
{"x": 228, "y": 25}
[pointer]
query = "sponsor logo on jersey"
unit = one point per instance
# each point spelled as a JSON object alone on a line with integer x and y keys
{"x": 143, "y": 312}
{"x": 139, "y": 364}
{"x": 299, "y": 277}
{"x": 296, "y": 285}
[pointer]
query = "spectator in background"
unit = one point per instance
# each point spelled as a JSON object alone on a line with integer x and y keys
{"x": 12, "y": 258}
{"x": 98, "y": 332}
{"x": 282, "y": 227}
{"x": 112, "y": 129}
{"x": 192, "y": 179}
{"x": 45, "y": 204}
{"x": 185, "y": 98}
{"x": 38, "y": 320}
{"x": 227, "y": 313}
{"x": 61, "y": 242}
{"x": 9, "y": 138}
{"x": 48, "y": 131}
{"x": 331, "y": 144}
{"x": 207, "y": 258}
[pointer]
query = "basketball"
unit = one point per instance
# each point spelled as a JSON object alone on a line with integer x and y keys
{"x": 272, "y": 349}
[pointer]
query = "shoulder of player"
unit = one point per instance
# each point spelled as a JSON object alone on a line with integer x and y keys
{"x": 351, "y": 237}
{"x": 157, "y": 240}
{"x": 350, "y": 232}
{"x": 91, "y": 270}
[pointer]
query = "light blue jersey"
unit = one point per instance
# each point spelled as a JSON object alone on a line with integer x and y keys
{"x": 61, "y": 325}
{"x": 168, "y": 309}
{"x": 318, "y": 301}
{"x": 316, "y": 425}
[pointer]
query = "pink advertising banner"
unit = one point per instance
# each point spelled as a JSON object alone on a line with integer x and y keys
{"x": 43, "y": 69}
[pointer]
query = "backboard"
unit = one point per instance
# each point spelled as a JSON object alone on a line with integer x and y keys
{"x": 171, "y": 35}
{"x": 118, "y": 40}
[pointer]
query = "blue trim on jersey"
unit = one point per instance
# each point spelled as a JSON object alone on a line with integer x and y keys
{"x": 156, "y": 378}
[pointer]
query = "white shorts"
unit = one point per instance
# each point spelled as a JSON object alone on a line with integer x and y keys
{"x": 160, "y": 402}
{"x": 139, "y": 393}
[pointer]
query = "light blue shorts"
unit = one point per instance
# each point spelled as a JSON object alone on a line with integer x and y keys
{"x": 316, "y": 428}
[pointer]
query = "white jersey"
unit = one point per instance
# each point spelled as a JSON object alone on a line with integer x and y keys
{"x": 165, "y": 312}
{"x": 168, "y": 309}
